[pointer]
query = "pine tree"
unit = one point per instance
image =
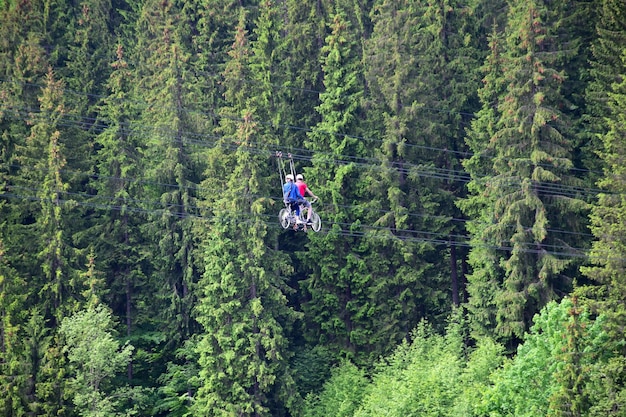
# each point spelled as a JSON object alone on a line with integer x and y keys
{"x": 87, "y": 66}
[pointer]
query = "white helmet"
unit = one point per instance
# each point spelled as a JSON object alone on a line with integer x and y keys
{"x": 289, "y": 177}
{"x": 299, "y": 177}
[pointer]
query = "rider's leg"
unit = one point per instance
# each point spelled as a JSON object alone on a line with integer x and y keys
{"x": 295, "y": 208}
{"x": 309, "y": 212}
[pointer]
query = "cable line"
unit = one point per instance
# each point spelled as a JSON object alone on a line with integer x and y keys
{"x": 369, "y": 232}
{"x": 274, "y": 197}
{"x": 306, "y": 129}
{"x": 97, "y": 124}
{"x": 372, "y": 163}
{"x": 189, "y": 209}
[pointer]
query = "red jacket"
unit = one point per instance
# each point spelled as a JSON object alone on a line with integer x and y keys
{"x": 302, "y": 187}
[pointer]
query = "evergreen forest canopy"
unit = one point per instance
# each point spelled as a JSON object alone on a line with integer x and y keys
{"x": 469, "y": 159}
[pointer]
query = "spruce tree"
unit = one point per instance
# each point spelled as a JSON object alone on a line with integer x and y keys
{"x": 88, "y": 55}
{"x": 608, "y": 251}
{"x": 243, "y": 307}
{"x": 59, "y": 285}
{"x": 479, "y": 205}
{"x": 13, "y": 362}
{"x": 421, "y": 72}
{"x": 23, "y": 65}
{"x": 115, "y": 235}
{"x": 303, "y": 31}
{"x": 31, "y": 105}
{"x": 207, "y": 27}
{"x": 337, "y": 309}
{"x": 168, "y": 125}
{"x": 531, "y": 190}
{"x": 43, "y": 181}
{"x": 605, "y": 67}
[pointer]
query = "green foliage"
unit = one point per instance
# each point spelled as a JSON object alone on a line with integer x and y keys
{"x": 417, "y": 122}
{"x": 13, "y": 362}
{"x": 136, "y": 170}
{"x": 571, "y": 399}
{"x": 311, "y": 369}
{"x": 479, "y": 205}
{"x": 608, "y": 95}
{"x": 606, "y": 67}
{"x": 420, "y": 378}
{"x": 482, "y": 362}
{"x": 96, "y": 357}
{"x": 180, "y": 382}
{"x": 428, "y": 376}
{"x": 342, "y": 393}
{"x": 171, "y": 162}
{"x": 343, "y": 266}
{"x": 537, "y": 375}
{"x": 43, "y": 177}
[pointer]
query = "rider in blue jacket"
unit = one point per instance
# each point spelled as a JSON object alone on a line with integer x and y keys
{"x": 292, "y": 195}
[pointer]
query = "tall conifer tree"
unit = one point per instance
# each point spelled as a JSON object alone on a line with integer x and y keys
{"x": 88, "y": 54}
{"x": 607, "y": 217}
{"x": 328, "y": 255}
{"x": 305, "y": 31}
{"x": 116, "y": 235}
{"x": 243, "y": 308}
{"x": 606, "y": 67}
{"x": 207, "y": 28}
{"x": 23, "y": 64}
{"x": 57, "y": 287}
{"x": 167, "y": 126}
{"x": 480, "y": 205}
{"x": 531, "y": 190}
{"x": 421, "y": 72}
{"x": 46, "y": 184}
{"x": 13, "y": 315}
{"x": 29, "y": 160}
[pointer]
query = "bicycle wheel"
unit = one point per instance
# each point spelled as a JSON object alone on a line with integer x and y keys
{"x": 316, "y": 222}
{"x": 283, "y": 217}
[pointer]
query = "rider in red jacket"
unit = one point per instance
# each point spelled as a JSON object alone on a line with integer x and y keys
{"x": 304, "y": 191}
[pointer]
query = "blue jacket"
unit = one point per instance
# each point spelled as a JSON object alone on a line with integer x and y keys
{"x": 291, "y": 194}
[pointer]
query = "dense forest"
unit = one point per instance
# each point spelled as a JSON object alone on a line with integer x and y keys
{"x": 469, "y": 158}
